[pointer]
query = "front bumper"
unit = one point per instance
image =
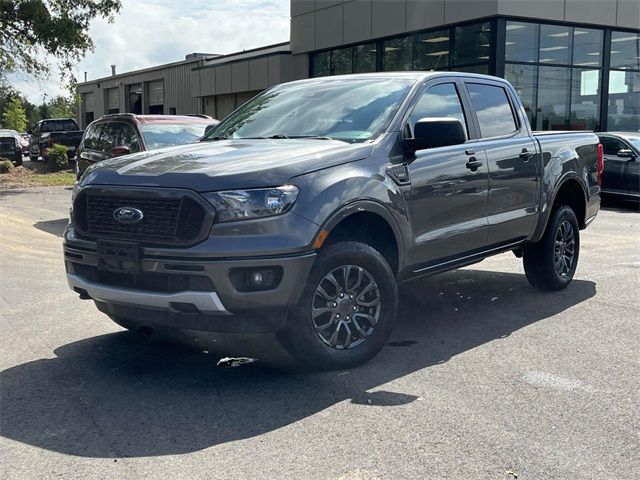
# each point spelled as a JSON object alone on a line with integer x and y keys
{"x": 221, "y": 308}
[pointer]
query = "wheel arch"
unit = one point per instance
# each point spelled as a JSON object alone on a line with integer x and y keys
{"x": 571, "y": 192}
{"x": 369, "y": 222}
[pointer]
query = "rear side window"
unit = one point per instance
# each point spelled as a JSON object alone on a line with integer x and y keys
{"x": 91, "y": 137}
{"x": 108, "y": 137}
{"x": 437, "y": 102}
{"x": 65, "y": 125}
{"x": 493, "y": 109}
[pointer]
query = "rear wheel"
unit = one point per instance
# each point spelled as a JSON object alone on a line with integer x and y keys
{"x": 551, "y": 263}
{"x": 346, "y": 310}
{"x": 33, "y": 158}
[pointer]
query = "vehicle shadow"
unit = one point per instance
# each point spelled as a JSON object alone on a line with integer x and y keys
{"x": 54, "y": 227}
{"x": 115, "y": 396}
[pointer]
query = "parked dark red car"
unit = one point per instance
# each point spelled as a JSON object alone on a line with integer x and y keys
{"x": 124, "y": 133}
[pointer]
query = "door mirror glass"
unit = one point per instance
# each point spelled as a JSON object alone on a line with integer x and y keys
{"x": 625, "y": 153}
{"x": 436, "y": 132}
{"x": 119, "y": 151}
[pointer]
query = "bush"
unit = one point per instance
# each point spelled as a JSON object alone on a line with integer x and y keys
{"x": 56, "y": 157}
{"x": 6, "y": 165}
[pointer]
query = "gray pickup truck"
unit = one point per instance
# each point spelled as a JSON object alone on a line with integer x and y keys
{"x": 303, "y": 211}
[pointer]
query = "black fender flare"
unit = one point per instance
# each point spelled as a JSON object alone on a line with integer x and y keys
{"x": 358, "y": 206}
{"x": 544, "y": 217}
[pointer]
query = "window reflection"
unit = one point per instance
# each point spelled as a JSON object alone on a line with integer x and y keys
{"x": 471, "y": 44}
{"x": 521, "y": 43}
{"x": 585, "y": 99}
{"x": 587, "y": 47}
{"x": 432, "y": 50}
{"x": 524, "y": 79}
{"x": 553, "y": 98}
{"x": 624, "y": 101}
{"x": 398, "y": 54}
{"x": 364, "y": 58}
{"x": 625, "y": 50}
{"x": 555, "y": 44}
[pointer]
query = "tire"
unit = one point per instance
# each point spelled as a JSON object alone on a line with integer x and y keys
{"x": 347, "y": 341}
{"x": 33, "y": 158}
{"x": 551, "y": 263}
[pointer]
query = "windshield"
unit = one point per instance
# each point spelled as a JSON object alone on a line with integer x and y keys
{"x": 160, "y": 135}
{"x": 349, "y": 110}
{"x": 635, "y": 142}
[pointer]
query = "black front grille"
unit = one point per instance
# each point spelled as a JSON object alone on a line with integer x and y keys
{"x": 7, "y": 145}
{"x": 170, "y": 220}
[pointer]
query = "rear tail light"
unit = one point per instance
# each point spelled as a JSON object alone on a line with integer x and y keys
{"x": 600, "y": 163}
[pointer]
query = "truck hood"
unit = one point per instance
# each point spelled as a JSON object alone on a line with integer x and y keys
{"x": 225, "y": 164}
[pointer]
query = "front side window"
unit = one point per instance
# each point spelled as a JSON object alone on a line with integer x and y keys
{"x": 611, "y": 146}
{"x": 437, "y": 102}
{"x": 493, "y": 110}
{"x": 354, "y": 110}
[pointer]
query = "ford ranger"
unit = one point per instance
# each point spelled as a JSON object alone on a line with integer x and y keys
{"x": 303, "y": 210}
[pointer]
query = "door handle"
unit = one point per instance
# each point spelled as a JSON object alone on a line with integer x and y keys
{"x": 473, "y": 164}
{"x": 526, "y": 154}
{"x": 470, "y": 152}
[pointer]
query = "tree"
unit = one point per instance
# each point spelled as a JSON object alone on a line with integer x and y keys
{"x": 14, "y": 116}
{"x": 31, "y": 28}
{"x": 61, "y": 107}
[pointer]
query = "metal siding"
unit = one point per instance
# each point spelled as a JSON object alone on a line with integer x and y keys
{"x": 89, "y": 102}
{"x": 113, "y": 98}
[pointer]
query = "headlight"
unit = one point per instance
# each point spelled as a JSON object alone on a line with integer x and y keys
{"x": 234, "y": 205}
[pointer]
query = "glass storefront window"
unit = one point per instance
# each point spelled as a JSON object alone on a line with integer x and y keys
{"x": 554, "y": 85}
{"x": 585, "y": 100}
{"x": 587, "y": 47}
{"x": 471, "y": 44}
{"x": 483, "y": 69}
{"x": 397, "y": 54}
{"x": 341, "y": 61}
{"x": 624, "y": 101}
{"x": 321, "y": 62}
{"x": 625, "y": 50}
{"x": 524, "y": 79}
{"x": 432, "y": 51}
{"x": 364, "y": 58}
{"x": 555, "y": 44}
{"x": 521, "y": 44}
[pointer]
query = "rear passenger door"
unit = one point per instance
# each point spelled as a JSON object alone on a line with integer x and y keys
{"x": 513, "y": 161}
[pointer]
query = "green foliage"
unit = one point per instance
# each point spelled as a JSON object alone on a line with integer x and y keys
{"x": 61, "y": 107}
{"x": 14, "y": 116}
{"x": 56, "y": 157}
{"x": 6, "y": 165}
{"x": 57, "y": 28}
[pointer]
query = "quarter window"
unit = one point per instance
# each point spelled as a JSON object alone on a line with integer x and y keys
{"x": 439, "y": 101}
{"x": 493, "y": 109}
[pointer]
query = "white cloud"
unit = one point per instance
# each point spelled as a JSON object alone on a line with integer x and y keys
{"x": 153, "y": 32}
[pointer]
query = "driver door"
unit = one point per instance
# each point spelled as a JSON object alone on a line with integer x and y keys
{"x": 448, "y": 201}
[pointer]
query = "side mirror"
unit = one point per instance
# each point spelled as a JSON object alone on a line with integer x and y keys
{"x": 436, "y": 132}
{"x": 626, "y": 153}
{"x": 119, "y": 151}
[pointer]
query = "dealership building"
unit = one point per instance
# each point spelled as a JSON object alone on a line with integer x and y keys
{"x": 574, "y": 63}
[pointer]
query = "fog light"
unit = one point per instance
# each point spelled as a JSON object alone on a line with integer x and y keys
{"x": 255, "y": 279}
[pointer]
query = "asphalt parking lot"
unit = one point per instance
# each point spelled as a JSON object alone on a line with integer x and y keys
{"x": 484, "y": 378}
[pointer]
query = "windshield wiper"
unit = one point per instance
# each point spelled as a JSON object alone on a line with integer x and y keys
{"x": 280, "y": 136}
{"x": 214, "y": 139}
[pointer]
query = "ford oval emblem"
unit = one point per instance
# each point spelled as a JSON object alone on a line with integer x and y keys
{"x": 128, "y": 215}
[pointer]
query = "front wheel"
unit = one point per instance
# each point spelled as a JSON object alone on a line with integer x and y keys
{"x": 551, "y": 263}
{"x": 346, "y": 311}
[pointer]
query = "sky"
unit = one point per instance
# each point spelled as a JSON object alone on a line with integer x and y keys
{"x": 152, "y": 32}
